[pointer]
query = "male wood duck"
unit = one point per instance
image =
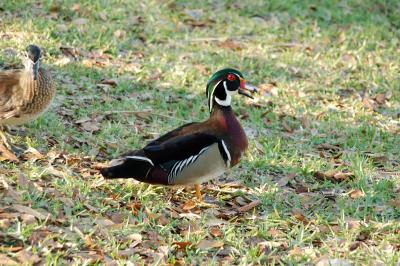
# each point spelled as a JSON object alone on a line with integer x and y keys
{"x": 196, "y": 152}
{"x": 25, "y": 93}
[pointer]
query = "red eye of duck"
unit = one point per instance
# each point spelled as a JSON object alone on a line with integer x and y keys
{"x": 231, "y": 77}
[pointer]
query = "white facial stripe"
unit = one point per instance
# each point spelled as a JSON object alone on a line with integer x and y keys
{"x": 141, "y": 158}
{"x": 211, "y": 101}
{"x": 228, "y": 99}
{"x": 228, "y": 155}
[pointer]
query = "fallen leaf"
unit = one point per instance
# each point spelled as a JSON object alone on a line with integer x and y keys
{"x": 127, "y": 252}
{"x": 29, "y": 210}
{"x": 190, "y": 216}
{"x": 395, "y": 203}
{"x": 80, "y": 21}
{"x": 356, "y": 193}
{"x": 286, "y": 127}
{"x": 76, "y": 7}
{"x": 6, "y": 154}
{"x": 183, "y": 245}
{"x": 111, "y": 82}
{"x": 208, "y": 244}
{"x": 119, "y": 34}
{"x": 135, "y": 237}
{"x": 333, "y": 176}
{"x": 32, "y": 155}
{"x": 162, "y": 220}
{"x": 103, "y": 15}
{"x": 275, "y": 232}
{"x": 368, "y": 103}
{"x": 249, "y": 206}
{"x": 299, "y": 216}
{"x": 333, "y": 262}
{"x": 285, "y": 180}
{"x": 7, "y": 261}
{"x": 215, "y": 231}
{"x": 327, "y": 146}
{"x": 231, "y": 45}
{"x": 189, "y": 205}
{"x": 104, "y": 222}
{"x": 305, "y": 122}
{"x": 26, "y": 257}
{"x": 380, "y": 98}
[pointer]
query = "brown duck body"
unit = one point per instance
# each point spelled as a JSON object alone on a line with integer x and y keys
{"x": 22, "y": 98}
{"x": 191, "y": 154}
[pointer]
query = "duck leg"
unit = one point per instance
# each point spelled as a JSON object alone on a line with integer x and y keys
{"x": 198, "y": 192}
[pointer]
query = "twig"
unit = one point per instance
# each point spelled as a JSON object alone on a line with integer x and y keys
{"x": 145, "y": 112}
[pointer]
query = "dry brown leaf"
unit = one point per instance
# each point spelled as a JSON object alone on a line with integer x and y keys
{"x": 26, "y": 257}
{"x": 333, "y": 262}
{"x": 29, "y": 210}
{"x": 190, "y": 216}
{"x": 305, "y": 122}
{"x": 368, "y": 103}
{"x": 111, "y": 82}
{"x": 207, "y": 244}
{"x": 4, "y": 223}
{"x": 231, "y": 45}
{"x": 76, "y": 7}
{"x": 127, "y": 252}
{"x": 7, "y": 261}
{"x": 327, "y": 146}
{"x": 104, "y": 222}
{"x": 241, "y": 201}
{"x": 299, "y": 216}
{"x": 286, "y": 127}
{"x": 356, "y": 193}
{"x": 162, "y": 220}
{"x": 32, "y": 154}
{"x": 333, "y": 176}
{"x": 215, "y": 231}
{"x": 80, "y": 21}
{"x": 183, "y": 245}
{"x": 275, "y": 232}
{"x": 285, "y": 180}
{"x": 103, "y": 15}
{"x": 268, "y": 88}
{"x": 395, "y": 203}
{"x": 135, "y": 237}
{"x": 6, "y": 154}
{"x": 249, "y": 206}
{"x": 189, "y": 205}
{"x": 380, "y": 98}
{"x": 296, "y": 251}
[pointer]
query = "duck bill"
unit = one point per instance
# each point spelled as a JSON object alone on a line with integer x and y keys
{"x": 35, "y": 70}
{"x": 246, "y": 89}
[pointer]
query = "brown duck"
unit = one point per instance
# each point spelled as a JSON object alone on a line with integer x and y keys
{"x": 193, "y": 153}
{"x": 25, "y": 93}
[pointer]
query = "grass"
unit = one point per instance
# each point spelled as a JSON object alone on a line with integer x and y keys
{"x": 321, "y": 69}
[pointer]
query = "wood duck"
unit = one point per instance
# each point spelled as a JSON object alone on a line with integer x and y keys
{"x": 25, "y": 93}
{"x": 196, "y": 152}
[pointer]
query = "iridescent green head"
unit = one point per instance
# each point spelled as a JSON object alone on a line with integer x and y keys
{"x": 223, "y": 84}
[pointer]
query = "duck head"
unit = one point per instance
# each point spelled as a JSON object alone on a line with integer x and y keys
{"x": 225, "y": 83}
{"x": 33, "y": 54}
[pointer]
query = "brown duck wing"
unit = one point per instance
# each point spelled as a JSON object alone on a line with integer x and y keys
{"x": 9, "y": 87}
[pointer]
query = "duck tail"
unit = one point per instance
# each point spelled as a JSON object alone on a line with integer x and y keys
{"x": 136, "y": 167}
